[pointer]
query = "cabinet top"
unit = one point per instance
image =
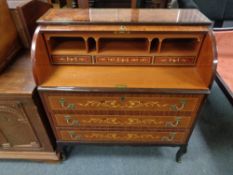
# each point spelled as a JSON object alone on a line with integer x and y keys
{"x": 125, "y": 16}
{"x": 17, "y": 79}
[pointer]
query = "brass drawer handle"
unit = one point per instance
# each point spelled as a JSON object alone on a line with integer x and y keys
{"x": 183, "y": 103}
{"x": 71, "y": 121}
{"x": 74, "y": 135}
{"x": 173, "y": 124}
{"x": 63, "y": 104}
{"x": 169, "y": 138}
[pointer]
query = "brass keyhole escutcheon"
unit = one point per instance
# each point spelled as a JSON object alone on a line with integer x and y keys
{"x": 122, "y": 29}
{"x": 122, "y": 98}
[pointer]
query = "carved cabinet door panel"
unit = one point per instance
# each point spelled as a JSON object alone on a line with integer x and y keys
{"x": 16, "y": 132}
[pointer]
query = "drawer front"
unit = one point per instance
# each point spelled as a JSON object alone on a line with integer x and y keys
{"x": 72, "y": 59}
{"x": 123, "y": 102}
{"x": 122, "y": 136}
{"x": 175, "y": 60}
{"x": 104, "y": 121}
{"x": 144, "y": 60}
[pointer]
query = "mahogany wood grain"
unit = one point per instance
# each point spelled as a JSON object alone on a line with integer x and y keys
{"x": 40, "y": 66}
{"x": 127, "y": 27}
{"x": 125, "y": 16}
{"x": 128, "y": 77}
{"x": 207, "y": 65}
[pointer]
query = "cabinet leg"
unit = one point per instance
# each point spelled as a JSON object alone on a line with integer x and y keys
{"x": 180, "y": 153}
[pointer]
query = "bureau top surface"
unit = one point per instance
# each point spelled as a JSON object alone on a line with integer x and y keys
{"x": 125, "y": 16}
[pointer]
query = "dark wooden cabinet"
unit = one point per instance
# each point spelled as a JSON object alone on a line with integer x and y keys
{"x": 23, "y": 134}
{"x": 138, "y": 77}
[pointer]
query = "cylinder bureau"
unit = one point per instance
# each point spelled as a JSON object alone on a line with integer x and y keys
{"x": 123, "y": 76}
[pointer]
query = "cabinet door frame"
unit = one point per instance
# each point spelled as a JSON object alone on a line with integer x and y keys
{"x": 16, "y": 109}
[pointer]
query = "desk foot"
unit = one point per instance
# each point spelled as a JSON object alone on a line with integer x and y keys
{"x": 180, "y": 153}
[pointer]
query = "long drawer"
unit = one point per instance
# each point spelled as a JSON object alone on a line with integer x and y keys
{"x": 122, "y": 102}
{"x": 122, "y": 136}
{"x": 123, "y": 121}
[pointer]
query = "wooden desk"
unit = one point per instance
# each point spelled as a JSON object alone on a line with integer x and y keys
{"x": 136, "y": 77}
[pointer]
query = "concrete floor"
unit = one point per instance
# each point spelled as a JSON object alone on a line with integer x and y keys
{"x": 210, "y": 152}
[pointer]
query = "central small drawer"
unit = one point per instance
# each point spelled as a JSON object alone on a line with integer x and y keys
{"x": 107, "y": 121}
{"x": 163, "y": 137}
{"x": 122, "y": 102}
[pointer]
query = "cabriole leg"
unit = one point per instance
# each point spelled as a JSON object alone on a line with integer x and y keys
{"x": 180, "y": 153}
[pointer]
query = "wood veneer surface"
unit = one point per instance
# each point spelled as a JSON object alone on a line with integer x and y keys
{"x": 132, "y": 16}
{"x": 17, "y": 78}
{"x": 130, "y": 28}
{"x": 123, "y": 121}
{"x": 121, "y": 136}
{"x": 130, "y": 77}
